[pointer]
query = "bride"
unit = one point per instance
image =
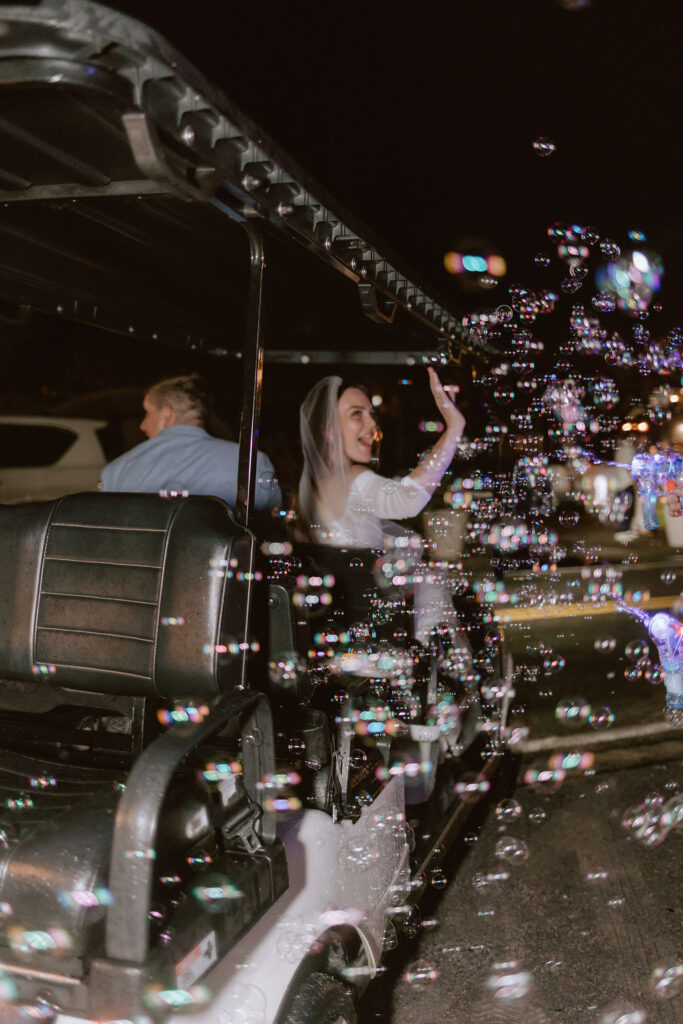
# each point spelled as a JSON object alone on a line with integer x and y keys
{"x": 345, "y": 504}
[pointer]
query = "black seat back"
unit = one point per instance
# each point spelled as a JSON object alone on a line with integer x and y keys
{"x": 124, "y": 594}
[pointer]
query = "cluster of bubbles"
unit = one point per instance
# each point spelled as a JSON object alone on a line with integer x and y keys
{"x": 651, "y": 821}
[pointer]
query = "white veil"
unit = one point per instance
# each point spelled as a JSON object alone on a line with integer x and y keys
{"x": 325, "y": 482}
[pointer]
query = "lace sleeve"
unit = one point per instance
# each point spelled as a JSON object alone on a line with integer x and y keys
{"x": 388, "y": 499}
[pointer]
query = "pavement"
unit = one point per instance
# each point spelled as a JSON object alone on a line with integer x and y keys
{"x": 586, "y": 918}
{"x": 549, "y": 909}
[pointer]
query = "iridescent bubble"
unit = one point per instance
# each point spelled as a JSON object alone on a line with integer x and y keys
{"x": 174, "y": 489}
{"x": 604, "y": 644}
{"x": 623, "y": 1013}
{"x": 267, "y": 480}
{"x": 438, "y": 879}
{"x": 420, "y": 974}
{"x": 569, "y": 285}
{"x": 635, "y": 650}
{"x": 544, "y": 780}
{"x": 668, "y": 981}
{"x": 654, "y": 675}
{"x": 472, "y": 787}
{"x": 609, "y": 249}
{"x": 358, "y": 852}
{"x": 553, "y": 664}
{"x": 572, "y": 711}
{"x": 486, "y": 281}
{"x": 504, "y": 314}
{"x": 578, "y": 271}
{"x": 568, "y": 517}
{"x": 590, "y": 235}
{"x": 286, "y": 669}
{"x": 604, "y": 302}
{"x": 513, "y": 850}
{"x": 508, "y": 982}
{"x": 537, "y": 815}
{"x": 601, "y": 718}
{"x": 504, "y": 396}
{"x": 541, "y": 260}
{"x": 668, "y": 577}
{"x": 543, "y": 146}
{"x": 508, "y": 810}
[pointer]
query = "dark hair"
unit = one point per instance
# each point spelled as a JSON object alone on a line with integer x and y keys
{"x": 188, "y": 396}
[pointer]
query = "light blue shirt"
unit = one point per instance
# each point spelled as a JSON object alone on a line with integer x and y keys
{"x": 184, "y": 458}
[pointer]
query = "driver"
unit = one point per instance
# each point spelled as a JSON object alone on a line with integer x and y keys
{"x": 179, "y": 456}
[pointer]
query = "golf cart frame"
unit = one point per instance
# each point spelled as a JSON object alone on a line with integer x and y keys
{"x": 126, "y": 178}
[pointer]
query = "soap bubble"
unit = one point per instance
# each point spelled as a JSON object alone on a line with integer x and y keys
{"x": 537, "y": 815}
{"x": 544, "y": 146}
{"x": 568, "y": 517}
{"x": 174, "y": 489}
{"x": 609, "y": 249}
{"x": 472, "y": 787}
{"x": 601, "y": 718}
{"x": 553, "y": 664}
{"x": 508, "y": 810}
{"x": 511, "y": 849}
{"x": 654, "y": 675}
{"x": 635, "y": 650}
{"x": 243, "y": 1004}
{"x": 267, "y": 480}
{"x": 668, "y": 981}
{"x": 286, "y": 669}
{"x": 504, "y": 396}
{"x": 438, "y": 879}
{"x": 604, "y": 302}
{"x": 572, "y": 711}
{"x": 623, "y": 1014}
{"x": 508, "y": 981}
{"x": 420, "y": 974}
{"x": 544, "y": 780}
{"x": 569, "y": 285}
{"x": 541, "y": 260}
{"x": 590, "y": 235}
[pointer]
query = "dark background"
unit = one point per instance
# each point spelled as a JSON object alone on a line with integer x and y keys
{"x": 421, "y": 119}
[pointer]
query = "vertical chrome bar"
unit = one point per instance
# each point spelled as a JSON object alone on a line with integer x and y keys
{"x": 253, "y": 378}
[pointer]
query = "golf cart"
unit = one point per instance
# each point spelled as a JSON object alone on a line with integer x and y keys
{"x": 212, "y": 746}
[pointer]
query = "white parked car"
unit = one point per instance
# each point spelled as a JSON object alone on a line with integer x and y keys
{"x": 43, "y": 457}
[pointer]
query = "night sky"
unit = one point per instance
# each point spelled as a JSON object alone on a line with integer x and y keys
{"x": 421, "y": 118}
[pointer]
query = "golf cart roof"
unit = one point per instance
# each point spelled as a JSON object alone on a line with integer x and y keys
{"x": 124, "y": 177}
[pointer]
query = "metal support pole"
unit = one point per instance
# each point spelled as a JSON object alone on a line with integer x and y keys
{"x": 253, "y": 378}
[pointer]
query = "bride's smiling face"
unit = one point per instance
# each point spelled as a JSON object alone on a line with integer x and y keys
{"x": 357, "y": 424}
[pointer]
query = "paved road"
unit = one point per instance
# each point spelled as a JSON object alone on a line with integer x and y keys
{"x": 585, "y": 914}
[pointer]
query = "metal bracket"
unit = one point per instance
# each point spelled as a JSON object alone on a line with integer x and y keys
{"x": 185, "y": 180}
{"x": 137, "y": 817}
{"x": 376, "y": 307}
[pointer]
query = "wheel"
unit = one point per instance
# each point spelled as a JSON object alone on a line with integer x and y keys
{"x": 321, "y": 999}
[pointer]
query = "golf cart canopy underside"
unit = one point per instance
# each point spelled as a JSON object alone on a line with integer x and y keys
{"x": 125, "y": 178}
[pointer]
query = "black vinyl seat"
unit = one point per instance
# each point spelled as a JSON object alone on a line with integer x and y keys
{"x": 111, "y": 604}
